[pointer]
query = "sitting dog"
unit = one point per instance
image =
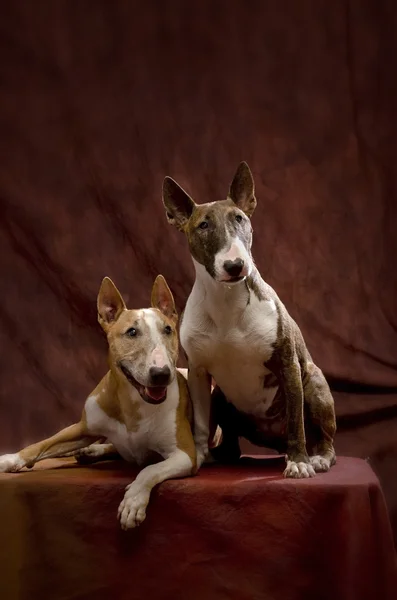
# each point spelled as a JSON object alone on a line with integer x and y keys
{"x": 141, "y": 407}
{"x": 236, "y": 330}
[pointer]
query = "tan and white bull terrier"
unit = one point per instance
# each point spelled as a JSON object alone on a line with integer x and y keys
{"x": 141, "y": 407}
{"x": 236, "y": 330}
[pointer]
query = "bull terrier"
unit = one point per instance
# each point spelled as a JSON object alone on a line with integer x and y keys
{"x": 141, "y": 408}
{"x": 237, "y": 332}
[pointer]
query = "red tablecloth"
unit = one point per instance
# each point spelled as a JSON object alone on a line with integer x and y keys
{"x": 238, "y": 532}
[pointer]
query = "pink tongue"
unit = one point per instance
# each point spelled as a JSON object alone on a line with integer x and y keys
{"x": 156, "y": 393}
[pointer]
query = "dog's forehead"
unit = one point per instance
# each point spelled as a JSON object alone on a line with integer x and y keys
{"x": 212, "y": 210}
{"x": 142, "y": 317}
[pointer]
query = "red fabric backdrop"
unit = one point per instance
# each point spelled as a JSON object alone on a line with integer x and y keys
{"x": 99, "y": 100}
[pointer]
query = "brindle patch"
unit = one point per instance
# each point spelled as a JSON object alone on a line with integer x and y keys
{"x": 242, "y": 189}
{"x": 303, "y": 390}
{"x": 178, "y": 204}
{"x": 268, "y": 431}
{"x": 260, "y": 289}
{"x": 270, "y": 380}
{"x": 218, "y": 217}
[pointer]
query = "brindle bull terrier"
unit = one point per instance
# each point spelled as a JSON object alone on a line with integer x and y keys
{"x": 236, "y": 331}
{"x": 141, "y": 407}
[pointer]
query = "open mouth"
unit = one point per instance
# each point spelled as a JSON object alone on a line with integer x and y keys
{"x": 152, "y": 395}
{"x": 155, "y": 395}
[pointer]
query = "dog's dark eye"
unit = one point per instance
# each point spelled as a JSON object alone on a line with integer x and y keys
{"x": 167, "y": 330}
{"x": 203, "y": 225}
{"x": 239, "y": 218}
{"x": 131, "y": 332}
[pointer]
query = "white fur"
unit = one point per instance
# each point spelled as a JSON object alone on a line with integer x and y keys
{"x": 10, "y": 463}
{"x": 156, "y": 432}
{"x": 320, "y": 464}
{"x": 132, "y": 510}
{"x": 94, "y": 450}
{"x": 157, "y": 353}
{"x": 158, "y": 357}
{"x": 183, "y": 372}
{"x": 230, "y": 339}
{"x": 299, "y": 470}
{"x": 156, "y": 428}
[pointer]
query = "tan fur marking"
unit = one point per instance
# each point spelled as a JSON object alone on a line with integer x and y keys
{"x": 67, "y": 440}
{"x": 184, "y": 422}
{"x": 171, "y": 341}
{"x": 136, "y": 339}
{"x": 163, "y": 300}
{"x": 115, "y": 400}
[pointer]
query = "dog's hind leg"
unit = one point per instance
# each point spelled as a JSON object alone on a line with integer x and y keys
{"x": 320, "y": 420}
{"x": 62, "y": 443}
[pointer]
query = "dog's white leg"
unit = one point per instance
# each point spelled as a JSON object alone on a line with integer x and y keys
{"x": 132, "y": 510}
{"x": 11, "y": 463}
{"x": 199, "y": 382}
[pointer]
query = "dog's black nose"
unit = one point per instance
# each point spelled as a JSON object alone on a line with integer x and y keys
{"x": 233, "y": 267}
{"x": 160, "y": 375}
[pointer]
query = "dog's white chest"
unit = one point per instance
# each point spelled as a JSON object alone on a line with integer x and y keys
{"x": 155, "y": 429}
{"x": 132, "y": 446}
{"x": 233, "y": 347}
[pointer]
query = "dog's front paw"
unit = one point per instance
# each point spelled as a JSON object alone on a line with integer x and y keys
{"x": 132, "y": 510}
{"x": 11, "y": 463}
{"x": 298, "y": 470}
{"x": 320, "y": 464}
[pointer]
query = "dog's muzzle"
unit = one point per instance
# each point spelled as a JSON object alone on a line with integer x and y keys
{"x": 235, "y": 270}
{"x": 233, "y": 267}
{"x": 156, "y": 391}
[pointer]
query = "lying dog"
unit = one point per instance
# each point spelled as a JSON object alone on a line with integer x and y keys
{"x": 141, "y": 406}
{"x": 236, "y": 330}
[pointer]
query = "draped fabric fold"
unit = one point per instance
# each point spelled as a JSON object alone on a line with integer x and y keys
{"x": 230, "y": 532}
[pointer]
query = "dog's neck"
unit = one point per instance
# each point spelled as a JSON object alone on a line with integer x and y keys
{"x": 221, "y": 296}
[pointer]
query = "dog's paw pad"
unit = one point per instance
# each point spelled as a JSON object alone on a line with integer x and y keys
{"x": 320, "y": 464}
{"x": 11, "y": 463}
{"x": 299, "y": 470}
{"x": 132, "y": 510}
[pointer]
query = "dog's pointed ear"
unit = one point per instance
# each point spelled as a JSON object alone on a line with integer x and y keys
{"x": 110, "y": 303}
{"x": 163, "y": 299}
{"x": 242, "y": 189}
{"x": 178, "y": 204}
